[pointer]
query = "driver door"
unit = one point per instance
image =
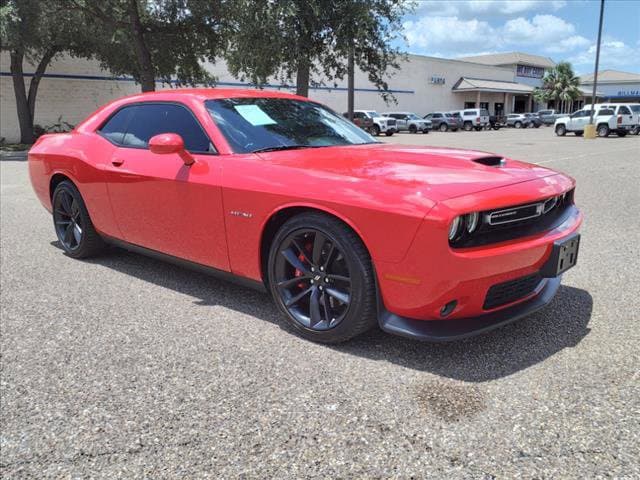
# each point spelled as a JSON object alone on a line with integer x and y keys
{"x": 159, "y": 202}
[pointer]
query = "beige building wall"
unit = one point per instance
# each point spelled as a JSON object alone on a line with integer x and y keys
{"x": 62, "y": 95}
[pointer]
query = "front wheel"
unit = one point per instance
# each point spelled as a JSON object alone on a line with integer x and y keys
{"x": 561, "y": 130}
{"x": 444, "y": 127}
{"x": 518, "y": 125}
{"x": 321, "y": 278}
{"x": 636, "y": 130}
{"x": 388, "y": 133}
{"x": 74, "y": 228}
{"x": 376, "y": 130}
{"x": 413, "y": 129}
{"x": 468, "y": 127}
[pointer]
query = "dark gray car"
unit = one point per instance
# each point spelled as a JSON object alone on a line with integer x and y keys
{"x": 444, "y": 121}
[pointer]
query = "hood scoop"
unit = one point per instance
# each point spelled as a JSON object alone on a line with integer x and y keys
{"x": 490, "y": 161}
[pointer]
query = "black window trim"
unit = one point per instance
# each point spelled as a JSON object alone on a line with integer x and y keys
{"x": 153, "y": 102}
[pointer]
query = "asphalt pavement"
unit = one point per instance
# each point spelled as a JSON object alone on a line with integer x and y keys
{"x": 126, "y": 367}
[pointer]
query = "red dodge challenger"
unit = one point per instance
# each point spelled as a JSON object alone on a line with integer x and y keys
{"x": 284, "y": 194}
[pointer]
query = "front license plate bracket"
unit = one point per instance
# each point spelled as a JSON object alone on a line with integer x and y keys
{"x": 563, "y": 256}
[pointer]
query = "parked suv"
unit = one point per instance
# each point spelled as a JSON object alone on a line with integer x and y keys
{"x": 409, "y": 121}
{"x": 444, "y": 121}
{"x": 605, "y": 119}
{"x": 518, "y": 120}
{"x": 361, "y": 120}
{"x": 477, "y": 118}
{"x": 549, "y": 117}
{"x": 380, "y": 124}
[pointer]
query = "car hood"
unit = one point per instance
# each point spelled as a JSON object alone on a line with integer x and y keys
{"x": 436, "y": 172}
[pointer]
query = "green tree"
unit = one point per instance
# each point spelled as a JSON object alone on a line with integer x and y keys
{"x": 36, "y": 31}
{"x": 561, "y": 85}
{"x": 155, "y": 39}
{"x": 287, "y": 38}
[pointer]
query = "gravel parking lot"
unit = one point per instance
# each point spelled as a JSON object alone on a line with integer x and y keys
{"x": 124, "y": 367}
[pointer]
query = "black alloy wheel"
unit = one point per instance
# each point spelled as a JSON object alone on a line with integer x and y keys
{"x": 73, "y": 227}
{"x": 321, "y": 277}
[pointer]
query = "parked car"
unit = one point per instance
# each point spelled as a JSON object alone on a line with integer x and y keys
{"x": 444, "y": 121}
{"x": 381, "y": 124}
{"x": 534, "y": 120}
{"x": 549, "y": 116}
{"x": 477, "y": 118}
{"x": 346, "y": 233}
{"x": 496, "y": 122}
{"x": 605, "y": 120}
{"x": 624, "y": 109}
{"x": 518, "y": 120}
{"x": 361, "y": 120}
{"x": 407, "y": 121}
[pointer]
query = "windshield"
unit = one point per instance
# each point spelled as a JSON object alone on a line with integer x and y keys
{"x": 413, "y": 116}
{"x": 373, "y": 114}
{"x": 252, "y": 124}
{"x": 635, "y": 108}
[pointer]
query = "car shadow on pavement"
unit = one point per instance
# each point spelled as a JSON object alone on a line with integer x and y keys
{"x": 502, "y": 352}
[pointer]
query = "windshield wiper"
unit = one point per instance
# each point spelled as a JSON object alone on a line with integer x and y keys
{"x": 283, "y": 147}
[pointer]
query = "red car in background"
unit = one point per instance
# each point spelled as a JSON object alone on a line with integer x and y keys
{"x": 286, "y": 195}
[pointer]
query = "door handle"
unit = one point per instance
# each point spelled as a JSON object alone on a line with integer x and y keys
{"x": 116, "y": 162}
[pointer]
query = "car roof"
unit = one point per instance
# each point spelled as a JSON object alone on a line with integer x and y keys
{"x": 214, "y": 93}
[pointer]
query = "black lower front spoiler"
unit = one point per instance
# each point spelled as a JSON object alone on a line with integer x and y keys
{"x": 449, "y": 330}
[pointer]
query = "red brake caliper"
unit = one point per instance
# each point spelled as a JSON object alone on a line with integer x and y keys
{"x": 299, "y": 273}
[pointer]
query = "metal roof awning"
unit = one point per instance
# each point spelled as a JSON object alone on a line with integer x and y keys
{"x": 468, "y": 84}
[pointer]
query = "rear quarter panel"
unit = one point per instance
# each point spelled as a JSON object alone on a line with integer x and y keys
{"x": 81, "y": 158}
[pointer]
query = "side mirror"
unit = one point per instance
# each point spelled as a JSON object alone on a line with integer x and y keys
{"x": 165, "y": 143}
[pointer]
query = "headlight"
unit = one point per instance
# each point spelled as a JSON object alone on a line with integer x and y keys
{"x": 454, "y": 229}
{"x": 471, "y": 219}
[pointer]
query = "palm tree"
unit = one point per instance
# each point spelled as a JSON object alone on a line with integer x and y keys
{"x": 560, "y": 84}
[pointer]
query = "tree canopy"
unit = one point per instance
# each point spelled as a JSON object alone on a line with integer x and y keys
{"x": 286, "y": 38}
{"x": 560, "y": 84}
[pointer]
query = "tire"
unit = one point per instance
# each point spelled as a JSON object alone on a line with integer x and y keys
{"x": 454, "y": 129}
{"x": 389, "y": 133}
{"x": 537, "y": 125}
{"x": 72, "y": 223}
{"x": 622, "y": 133}
{"x": 443, "y": 127}
{"x": 413, "y": 129}
{"x": 561, "y": 130}
{"x": 518, "y": 124}
{"x": 636, "y": 130}
{"x": 326, "y": 256}
{"x": 467, "y": 126}
{"x": 603, "y": 130}
{"x": 376, "y": 130}
{"x": 478, "y": 129}
{"x": 578, "y": 134}
{"x": 426, "y": 130}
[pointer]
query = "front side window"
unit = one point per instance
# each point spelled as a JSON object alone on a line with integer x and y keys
{"x": 255, "y": 124}
{"x": 155, "y": 118}
{"x": 437, "y": 115}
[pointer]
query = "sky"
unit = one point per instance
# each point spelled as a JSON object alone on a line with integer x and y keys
{"x": 560, "y": 29}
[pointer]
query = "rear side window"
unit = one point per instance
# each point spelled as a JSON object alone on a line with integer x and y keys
{"x": 624, "y": 110}
{"x": 437, "y": 115}
{"x": 605, "y": 111}
{"x": 155, "y": 118}
{"x": 116, "y": 126}
{"x": 484, "y": 113}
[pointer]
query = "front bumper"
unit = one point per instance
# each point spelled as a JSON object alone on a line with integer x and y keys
{"x": 450, "y": 330}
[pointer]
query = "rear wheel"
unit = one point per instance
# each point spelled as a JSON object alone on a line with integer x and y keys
{"x": 321, "y": 278}
{"x": 467, "y": 126}
{"x": 561, "y": 130}
{"x": 622, "y": 133}
{"x": 603, "y": 130}
{"x": 444, "y": 127}
{"x": 518, "y": 124}
{"x": 74, "y": 228}
{"x": 388, "y": 133}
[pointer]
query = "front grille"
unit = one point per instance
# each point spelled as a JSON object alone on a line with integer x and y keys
{"x": 509, "y": 223}
{"x": 507, "y": 292}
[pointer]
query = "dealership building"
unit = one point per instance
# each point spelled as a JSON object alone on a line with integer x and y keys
{"x": 501, "y": 83}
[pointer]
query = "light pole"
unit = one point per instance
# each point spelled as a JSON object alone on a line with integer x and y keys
{"x": 590, "y": 130}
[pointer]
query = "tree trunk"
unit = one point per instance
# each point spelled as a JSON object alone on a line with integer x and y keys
{"x": 350, "y": 84}
{"x": 302, "y": 77}
{"x": 145, "y": 65}
{"x": 37, "y": 76}
{"x": 25, "y": 120}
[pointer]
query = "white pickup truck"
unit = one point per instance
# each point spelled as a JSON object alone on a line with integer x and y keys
{"x": 605, "y": 120}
